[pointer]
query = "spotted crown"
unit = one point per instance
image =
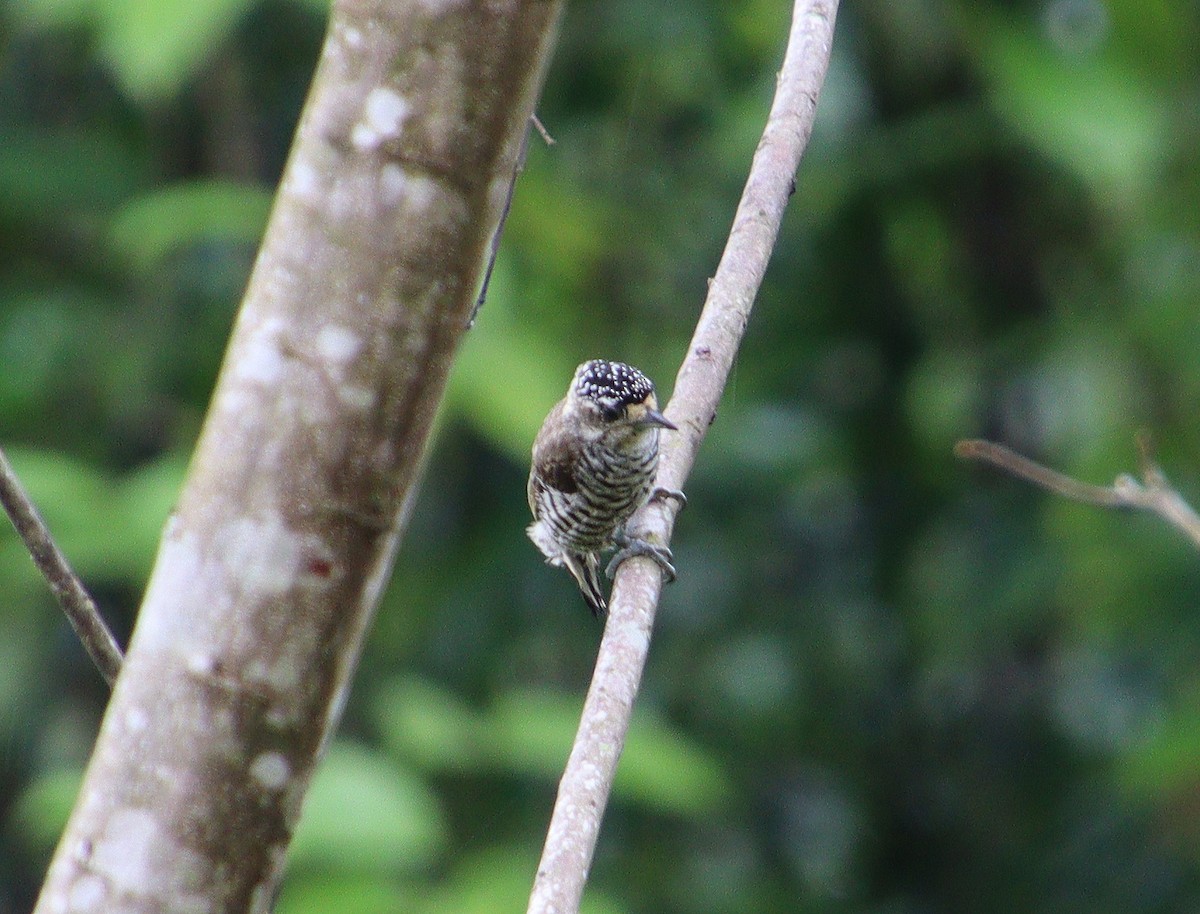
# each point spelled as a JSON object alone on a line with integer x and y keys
{"x": 614, "y": 381}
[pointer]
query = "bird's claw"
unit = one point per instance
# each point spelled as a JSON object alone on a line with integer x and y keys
{"x": 661, "y": 493}
{"x": 631, "y": 547}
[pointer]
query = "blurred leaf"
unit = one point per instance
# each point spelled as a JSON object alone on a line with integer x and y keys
{"x": 77, "y": 505}
{"x": 1091, "y": 115}
{"x": 497, "y": 881}
{"x": 317, "y": 7}
{"x": 507, "y": 414}
{"x": 156, "y": 46}
{"x": 428, "y": 724}
{"x": 52, "y": 13}
{"x": 109, "y": 531}
{"x": 40, "y": 813}
{"x": 1166, "y": 764}
{"x": 363, "y": 814}
{"x": 343, "y": 893}
{"x": 494, "y": 882}
{"x": 667, "y": 771}
{"x": 21, "y": 660}
{"x": 55, "y": 174}
{"x": 146, "y": 497}
{"x": 530, "y": 733}
{"x": 158, "y": 223}
{"x": 943, "y": 397}
{"x": 36, "y": 333}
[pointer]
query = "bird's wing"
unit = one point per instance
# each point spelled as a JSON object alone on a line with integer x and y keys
{"x": 555, "y": 455}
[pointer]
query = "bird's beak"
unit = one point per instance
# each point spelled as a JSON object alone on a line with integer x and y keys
{"x": 654, "y": 417}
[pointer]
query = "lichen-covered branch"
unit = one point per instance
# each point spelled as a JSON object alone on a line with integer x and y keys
{"x": 283, "y": 537}
{"x": 72, "y": 596}
{"x": 585, "y": 786}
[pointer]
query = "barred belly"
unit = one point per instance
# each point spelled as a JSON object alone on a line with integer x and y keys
{"x": 612, "y": 485}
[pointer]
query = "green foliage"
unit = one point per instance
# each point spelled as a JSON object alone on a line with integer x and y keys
{"x": 153, "y": 47}
{"x": 884, "y": 681}
{"x": 151, "y": 226}
{"x": 40, "y": 812}
{"x": 75, "y": 499}
{"x": 1097, "y": 117}
{"x": 364, "y": 813}
{"x": 528, "y": 734}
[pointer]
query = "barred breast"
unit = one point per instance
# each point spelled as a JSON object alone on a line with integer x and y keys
{"x": 611, "y": 486}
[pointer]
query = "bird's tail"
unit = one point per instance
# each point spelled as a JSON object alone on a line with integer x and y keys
{"x": 585, "y": 569}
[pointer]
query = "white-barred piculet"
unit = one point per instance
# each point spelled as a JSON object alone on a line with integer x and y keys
{"x": 594, "y": 463}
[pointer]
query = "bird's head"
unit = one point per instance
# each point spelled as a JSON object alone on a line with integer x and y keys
{"x": 615, "y": 402}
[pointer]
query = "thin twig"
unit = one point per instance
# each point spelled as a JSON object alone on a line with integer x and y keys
{"x": 81, "y": 610}
{"x": 1152, "y": 493}
{"x": 587, "y": 781}
{"x": 541, "y": 129}
{"x": 494, "y": 248}
{"x": 1011, "y": 462}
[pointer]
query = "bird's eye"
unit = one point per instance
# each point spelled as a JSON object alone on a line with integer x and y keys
{"x": 610, "y": 411}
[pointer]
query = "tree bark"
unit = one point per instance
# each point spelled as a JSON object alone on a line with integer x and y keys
{"x": 273, "y": 561}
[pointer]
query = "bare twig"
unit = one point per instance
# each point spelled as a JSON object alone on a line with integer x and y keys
{"x": 494, "y": 246}
{"x": 541, "y": 129}
{"x": 587, "y": 780}
{"x": 81, "y": 610}
{"x": 1152, "y": 493}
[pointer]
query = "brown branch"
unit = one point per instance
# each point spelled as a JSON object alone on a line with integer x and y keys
{"x": 75, "y": 601}
{"x": 587, "y": 781}
{"x": 1152, "y": 493}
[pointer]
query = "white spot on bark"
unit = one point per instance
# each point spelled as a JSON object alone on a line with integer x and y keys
{"x": 418, "y": 193}
{"x": 261, "y": 554}
{"x": 303, "y": 179}
{"x": 234, "y": 400}
{"x": 386, "y": 110}
{"x": 338, "y": 344}
{"x": 87, "y": 894}
{"x": 392, "y": 182}
{"x": 264, "y": 892}
{"x": 356, "y": 396}
{"x": 260, "y": 360}
{"x": 281, "y": 673}
{"x": 271, "y": 770}
{"x": 383, "y": 115}
{"x": 203, "y": 665}
{"x": 179, "y": 577}
{"x": 136, "y": 720}
{"x": 353, "y": 37}
{"x": 423, "y": 193}
{"x": 135, "y": 851}
{"x": 363, "y": 137}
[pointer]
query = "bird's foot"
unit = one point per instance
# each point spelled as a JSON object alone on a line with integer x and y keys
{"x": 661, "y": 493}
{"x": 631, "y": 546}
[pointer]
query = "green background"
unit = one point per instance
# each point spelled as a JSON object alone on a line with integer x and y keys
{"x": 885, "y": 681}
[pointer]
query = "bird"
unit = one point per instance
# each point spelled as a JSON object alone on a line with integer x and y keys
{"x": 593, "y": 466}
